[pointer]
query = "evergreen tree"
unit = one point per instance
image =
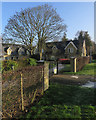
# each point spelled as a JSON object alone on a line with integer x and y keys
{"x": 81, "y": 36}
{"x": 64, "y": 37}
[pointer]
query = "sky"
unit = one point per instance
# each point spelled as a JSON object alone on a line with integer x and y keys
{"x": 76, "y": 15}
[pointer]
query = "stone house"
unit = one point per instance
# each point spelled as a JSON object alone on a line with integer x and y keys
{"x": 14, "y": 51}
{"x": 66, "y": 49}
{"x": 54, "y": 50}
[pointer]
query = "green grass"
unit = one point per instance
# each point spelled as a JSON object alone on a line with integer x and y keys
{"x": 94, "y": 61}
{"x": 51, "y": 65}
{"x": 61, "y": 101}
{"x": 89, "y": 69}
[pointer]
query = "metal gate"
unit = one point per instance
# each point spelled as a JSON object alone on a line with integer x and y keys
{"x": 52, "y": 66}
{"x": 57, "y": 67}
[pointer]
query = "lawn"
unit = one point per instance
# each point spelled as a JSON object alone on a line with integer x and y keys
{"x": 89, "y": 69}
{"x": 64, "y": 101}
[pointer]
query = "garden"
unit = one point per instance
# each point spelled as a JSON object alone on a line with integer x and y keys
{"x": 9, "y": 65}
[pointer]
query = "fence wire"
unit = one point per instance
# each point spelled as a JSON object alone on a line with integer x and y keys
{"x": 32, "y": 86}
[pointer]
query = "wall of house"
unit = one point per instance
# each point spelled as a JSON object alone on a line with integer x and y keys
{"x": 70, "y": 54}
{"x": 13, "y": 52}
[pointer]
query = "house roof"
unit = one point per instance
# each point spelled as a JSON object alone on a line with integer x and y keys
{"x": 61, "y": 45}
{"x": 14, "y": 48}
{"x": 72, "y": 44}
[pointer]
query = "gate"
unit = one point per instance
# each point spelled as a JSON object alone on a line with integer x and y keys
{"x": 55, "y": 67}
{"x": 66, "y": 65}
{"x": 52, "y": 66}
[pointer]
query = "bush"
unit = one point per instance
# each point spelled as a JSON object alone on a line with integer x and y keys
{"x": 31, "y": 61}
{"x": 81, "y": 62}
{"x": 94, "y": 56}
{"x": 7, "y": 65}
{"x": 1, "y": 67}
{"x": 36, "y": 56}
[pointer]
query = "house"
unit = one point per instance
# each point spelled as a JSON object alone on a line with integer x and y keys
{"x": 64, "y": 49}
{"x": 54, "y": 50}
{"x": 13, "y": 51}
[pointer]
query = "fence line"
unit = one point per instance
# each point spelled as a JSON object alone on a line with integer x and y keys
{"x": 21, "y": 87}
{"x": 22, "y": 93}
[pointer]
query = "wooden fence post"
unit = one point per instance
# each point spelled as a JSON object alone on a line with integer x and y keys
{"x": 73, "y": 65}
{"x": 22, "y": 99}
{"x": 46, "y": 75}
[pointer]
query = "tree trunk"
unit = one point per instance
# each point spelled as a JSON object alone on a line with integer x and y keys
{"x": 41, "y": 54}
{"x": 31, "y": 52}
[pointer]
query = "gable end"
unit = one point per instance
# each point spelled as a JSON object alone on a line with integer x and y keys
{"x": 72, "y": 44}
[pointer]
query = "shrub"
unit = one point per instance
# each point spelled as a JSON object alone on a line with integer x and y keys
{"x": 36, "y": 56}
{"x": 81, "y": 62}
{"x": 1, "y": 66}
{"x": 7, "y": 65}
{"x": 94, "y": 56}
{"x": 31, "y": 61}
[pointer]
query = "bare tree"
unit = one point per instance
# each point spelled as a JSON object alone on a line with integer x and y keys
{"x": 35, "y": 25}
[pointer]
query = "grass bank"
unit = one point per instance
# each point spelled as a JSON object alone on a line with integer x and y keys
{"x": 61, "y": 101}
{"x": 89, "y": 69}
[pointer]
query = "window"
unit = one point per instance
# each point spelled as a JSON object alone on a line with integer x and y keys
{"x": 52, "y": 57}
{"x": 70, "y": 50}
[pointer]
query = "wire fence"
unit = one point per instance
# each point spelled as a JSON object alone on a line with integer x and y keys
{"x": 19, "y": 89}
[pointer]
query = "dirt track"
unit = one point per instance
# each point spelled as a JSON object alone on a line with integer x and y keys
{"x": 72, "y": 79}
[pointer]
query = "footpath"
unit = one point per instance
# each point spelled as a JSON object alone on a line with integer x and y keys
{"x": 81, "y": 80}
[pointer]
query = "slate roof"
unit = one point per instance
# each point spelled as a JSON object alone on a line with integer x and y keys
{"x": 60, "y": 45}
{"x": 76, "y": 43}
{"x": 14, "y": 47}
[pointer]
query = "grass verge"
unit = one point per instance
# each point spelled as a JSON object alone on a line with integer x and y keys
{"x": 89, "y": 69}
{"x": 61, "y": 101}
